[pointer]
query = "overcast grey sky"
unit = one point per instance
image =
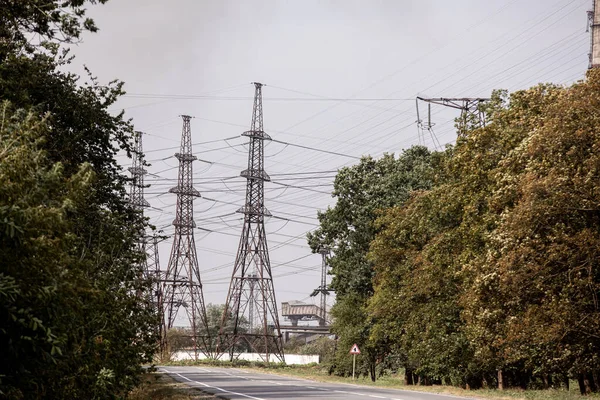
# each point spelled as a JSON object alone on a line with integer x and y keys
{"x": 171, "y": 53}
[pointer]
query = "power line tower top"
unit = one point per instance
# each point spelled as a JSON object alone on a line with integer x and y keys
{"x": 594, "y": 26}
{"x": 472, "y": 113}
{"x": 184, "y": 190}
{"x": 136, "y": 194}
{"x": 256, "y": 160}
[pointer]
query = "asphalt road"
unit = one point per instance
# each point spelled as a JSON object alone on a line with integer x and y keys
{"x": 233, "y": 383}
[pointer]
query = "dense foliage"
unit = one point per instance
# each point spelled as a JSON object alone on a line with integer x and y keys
{"x": 349, "y": 228}
{"x": 72, "y": 321}
{"x": 491, "y": 277}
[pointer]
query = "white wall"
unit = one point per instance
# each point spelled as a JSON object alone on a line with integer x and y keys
{"x": 291, "y": 359}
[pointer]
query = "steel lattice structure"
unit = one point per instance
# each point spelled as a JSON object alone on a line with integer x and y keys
{"x": 471, "y": 112}
{"x": 182, "y": 283}
{"x": 156, "y": 275}
{"x": 250, "y": 321}
{"x": 150, "y": 267}
{"x": 594, "y": 27}
{"x": 136, "y": 197}
{"x": 136, "y": 193}
{"x": 322, "y": 290}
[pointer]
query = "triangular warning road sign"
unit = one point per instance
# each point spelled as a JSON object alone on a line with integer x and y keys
{"x": 354, "y": 349}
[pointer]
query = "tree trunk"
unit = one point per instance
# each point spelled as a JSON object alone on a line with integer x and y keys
{"x": 372, "y": 370}
{"x": 589, "y": 383}
{"x": 408, "y": 376}
{"x": 500, "y": 380}
{"x": 584, "y": 384}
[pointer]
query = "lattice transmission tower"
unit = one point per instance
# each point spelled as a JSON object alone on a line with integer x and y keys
{"x": 250, "y": 321}
{"x": 472, "y": 114}
{"x": 182, "y": 283}
{"x": 322, "y": 290}
{"x": 155, "y": 273}
{"x": 594, "y": 27}
{"x": 136, "y": 193}
{"x": 148, "y": 245}
{"x": 136, "y": 197}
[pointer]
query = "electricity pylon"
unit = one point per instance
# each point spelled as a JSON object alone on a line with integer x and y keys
{"x": 322, "y": 289}
{"x": 137, "y": 200}
{"x": 157, "y": 276}
{"x": 594, "y": 24}
{"x": 471, "y": 111}
{"x": 136, "y": 193}
{"x": 182, "y": 283}
{"x": 251, "y": 297}
{"x": 149, "y": 269}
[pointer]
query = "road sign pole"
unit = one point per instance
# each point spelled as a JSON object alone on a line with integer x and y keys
{"x": 354, "y": 351}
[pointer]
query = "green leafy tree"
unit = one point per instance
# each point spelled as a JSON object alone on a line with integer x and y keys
{"x": 491, "y": 276}
{"x": 25, "y": 21}
{"x": 348, "y": 228}
{"x": 72, "y": 323}
{"x": 536, "y": 295}
{"x": 427, "y": 249}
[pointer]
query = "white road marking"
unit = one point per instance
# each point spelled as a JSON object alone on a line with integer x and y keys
{"x": 220, "y": 389}
{"x": 354, "y": 393}
{"x": 290, "y": 384}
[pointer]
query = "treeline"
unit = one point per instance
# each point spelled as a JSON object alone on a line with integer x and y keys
{"x": 72, "y": 322}
{"x": 478, "y": 266}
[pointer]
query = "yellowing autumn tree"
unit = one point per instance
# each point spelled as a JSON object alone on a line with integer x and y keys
{"x": 492, "y": 277}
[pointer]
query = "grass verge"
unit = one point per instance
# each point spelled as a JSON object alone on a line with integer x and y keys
{"x": 160, "y": 386}
{"x": 318, "y": 373}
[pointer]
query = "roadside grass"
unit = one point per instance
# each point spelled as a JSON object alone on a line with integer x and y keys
{"x": 160, "y": 386}
{"x": 318, "y": 373}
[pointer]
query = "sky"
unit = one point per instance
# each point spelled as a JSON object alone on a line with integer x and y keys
{"x": 341, "y": 80}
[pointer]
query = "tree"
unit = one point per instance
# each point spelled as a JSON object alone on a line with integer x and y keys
{"x": 22, "y": 22}
{"x": 542, "y": 277}
{"x": 491, "y": 276}
{"x": 348, "y": 228}
{"x": 72, "y": 323}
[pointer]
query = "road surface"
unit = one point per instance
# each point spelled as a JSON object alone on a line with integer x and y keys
{"x": 233, "y": 383}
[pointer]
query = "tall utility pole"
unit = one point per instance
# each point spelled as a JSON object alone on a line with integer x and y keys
{"x": 594, "y": 24}
{"x": 322, "y": 290}
{"x": 471, "y": 112}
{"x": 182, "y": 284}
{"x": 251, "y": 298}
